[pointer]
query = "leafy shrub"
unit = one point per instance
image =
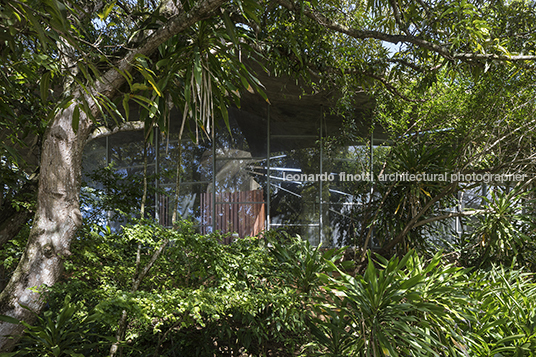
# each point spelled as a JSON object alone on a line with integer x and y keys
{"x": 299, "y": 264}
{"x": 504, "y": 233}
{"x": 502, "y": 320}
{"x": 200, "y": 297}
{"x": 59, "y": 335}
{"x": 409, "y": 308}
{"x": 405, "y": 308}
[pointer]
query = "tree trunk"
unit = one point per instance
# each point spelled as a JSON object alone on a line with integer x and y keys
{"x": 56, "y": 221}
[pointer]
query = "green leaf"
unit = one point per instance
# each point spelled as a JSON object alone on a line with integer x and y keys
{"x": 126, "y": 106}
{"x": 138, "y": 86}
{"x": 44, "y": 85}
{"x": 38, "y": 28}
{"x": 83, "y": 69}
{"x": 230, "y": 27}
{"x": 198, "y": 68}
{"x": 245, "y": 83}
{"x": 76, "y": 118}
{"x": 106, "y": 11}
{"x": 9, "y": 319}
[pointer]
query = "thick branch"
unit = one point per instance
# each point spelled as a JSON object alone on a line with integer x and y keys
{"x": 494, "y": 57}
{"x": 114, "y": 78}
{"x": 13, "y": 225}
{"x": 13, "y": 219}
{"x": 58, "y": 213}
{"x": 395, "y": 39}
{"x": 102, "y": 132}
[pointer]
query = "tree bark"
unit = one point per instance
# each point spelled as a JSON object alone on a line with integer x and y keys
{"x": 58, "y": 212}
{"x": 56, "y": 221}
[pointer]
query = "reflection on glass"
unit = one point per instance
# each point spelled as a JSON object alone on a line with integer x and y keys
{"x": 225, "y": 187}
{"x": 188, "y": 205}
{"x": 126, "y": 149}
{"x": 94, "y": 157}
{"x": 233, "y": 140}
{"x": 244, "y": 219}
{"x": 239, "y": 175}
{"x": 346, "y": 224}
{"x": 294, "y": 201}
{"x": 248, "y": 131}
{"x": 196, "y": 161}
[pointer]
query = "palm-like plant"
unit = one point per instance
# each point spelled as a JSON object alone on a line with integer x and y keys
{"x": 401, "y": 309}
{"x": 504, "y": 232}
{"x": 404, "y": 201}
{"x": 59, "y": 335}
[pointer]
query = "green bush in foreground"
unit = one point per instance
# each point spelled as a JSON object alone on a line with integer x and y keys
{"x": 276, "y": 296}
{"x": 407, "y": 307}
{"x": 200, "y": 297}
{"x": 60, "y": 334}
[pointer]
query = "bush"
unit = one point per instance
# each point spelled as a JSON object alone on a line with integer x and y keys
{"x": 60, "y": 334}
{"x": 401, "y": 308}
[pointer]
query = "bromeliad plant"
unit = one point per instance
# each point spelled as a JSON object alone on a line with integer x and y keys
{"x": 403, "y": 308}
{"x": 505, "y": 232}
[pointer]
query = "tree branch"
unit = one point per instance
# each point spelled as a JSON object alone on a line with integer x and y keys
{"x": 405, "y": 63}
{"x": 135, "y": 286}
{"x": 395, "y": 39}
{"x": 380, "y": 79}
{"x": 115, "y": 77}
{"x": 412, "y": 222}
{"x": 102, "y": 131}
{"x": 391, "y": 88}
{"x": 398, "y": 19}
{"x": 494, "y": 57}
{"x": 450, "y": 215}
{"x": 365, "y": 34}
{"x": 13, "y": 219}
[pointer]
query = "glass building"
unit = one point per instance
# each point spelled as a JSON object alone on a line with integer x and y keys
{"x": 279, "y": 164}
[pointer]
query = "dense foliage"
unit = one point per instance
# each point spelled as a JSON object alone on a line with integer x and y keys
{"x": 273, "y": 295}
{"x": 454, "y": 90}
{"x": 276, "y": 295}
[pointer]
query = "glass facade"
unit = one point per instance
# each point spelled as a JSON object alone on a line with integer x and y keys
{"x": 258, "y": 173}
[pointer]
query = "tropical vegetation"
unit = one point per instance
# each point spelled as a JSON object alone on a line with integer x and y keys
{"x": 452, "y": 85}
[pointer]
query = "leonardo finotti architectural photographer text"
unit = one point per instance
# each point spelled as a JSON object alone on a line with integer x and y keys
{"x": 406, "y": 177}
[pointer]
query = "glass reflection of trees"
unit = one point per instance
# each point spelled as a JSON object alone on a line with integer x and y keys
{"x": 342, "y": 213}
{"x": 195, "y": 174}
{"x": 349, "y": 200}
{"x": 294, "y": 202}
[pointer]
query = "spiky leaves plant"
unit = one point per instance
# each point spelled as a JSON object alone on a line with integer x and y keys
{"x": 403, "y": 308}
{"x": 504, "y": 232}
